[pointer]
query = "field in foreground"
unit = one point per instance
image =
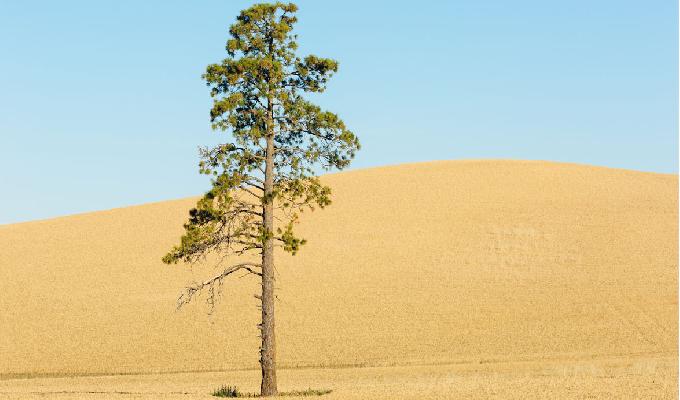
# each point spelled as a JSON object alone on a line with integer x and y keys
{"x": 474, "y": 278}
{"x": 603, "y": 378}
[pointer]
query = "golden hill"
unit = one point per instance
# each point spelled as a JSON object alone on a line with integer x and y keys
{"x": 442, "y": 262}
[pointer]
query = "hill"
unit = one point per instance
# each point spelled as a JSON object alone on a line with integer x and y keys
{"x": 419, "y": 264}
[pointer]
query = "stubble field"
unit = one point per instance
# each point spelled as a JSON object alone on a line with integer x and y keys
{"x": 469, "y": 279}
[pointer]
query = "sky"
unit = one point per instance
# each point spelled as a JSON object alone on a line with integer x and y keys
{"x": 102, "y": 103}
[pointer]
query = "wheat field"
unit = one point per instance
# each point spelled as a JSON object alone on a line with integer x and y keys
{"x": 452, "y": 279}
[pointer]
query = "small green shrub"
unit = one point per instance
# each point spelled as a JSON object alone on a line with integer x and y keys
{"x": 226, "y": 391}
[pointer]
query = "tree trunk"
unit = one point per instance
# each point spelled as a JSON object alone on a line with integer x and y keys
{"x": 268, "y": 348}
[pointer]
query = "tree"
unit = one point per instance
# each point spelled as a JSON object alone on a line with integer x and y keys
{"x": 265, "y": 176}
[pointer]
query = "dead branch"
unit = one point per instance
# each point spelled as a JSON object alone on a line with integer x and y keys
{"x": 190, "y": 291}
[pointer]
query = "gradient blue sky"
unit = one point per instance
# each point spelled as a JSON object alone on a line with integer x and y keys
{"x": 103, "y": 105}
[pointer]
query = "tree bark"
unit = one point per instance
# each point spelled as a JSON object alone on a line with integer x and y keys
{"x": 268, "y": 348}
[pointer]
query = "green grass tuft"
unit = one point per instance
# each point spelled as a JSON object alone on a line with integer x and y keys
{"x": 227, "y": 391}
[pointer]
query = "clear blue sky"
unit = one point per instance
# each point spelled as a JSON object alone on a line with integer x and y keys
{"x": 102, "y": 104}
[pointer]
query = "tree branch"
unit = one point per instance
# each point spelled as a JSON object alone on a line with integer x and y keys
{"x": 190, "y": 291}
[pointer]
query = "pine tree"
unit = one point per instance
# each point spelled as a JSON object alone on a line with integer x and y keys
{"x": 266, "y": 175}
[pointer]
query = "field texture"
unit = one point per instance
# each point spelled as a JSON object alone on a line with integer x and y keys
{"x": 469, "y": 279}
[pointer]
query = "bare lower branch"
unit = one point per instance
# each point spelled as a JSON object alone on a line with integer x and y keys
{"x": 190, "y": 291}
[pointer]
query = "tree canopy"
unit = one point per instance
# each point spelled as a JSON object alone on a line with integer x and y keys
{"x": 258, "y": 91}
